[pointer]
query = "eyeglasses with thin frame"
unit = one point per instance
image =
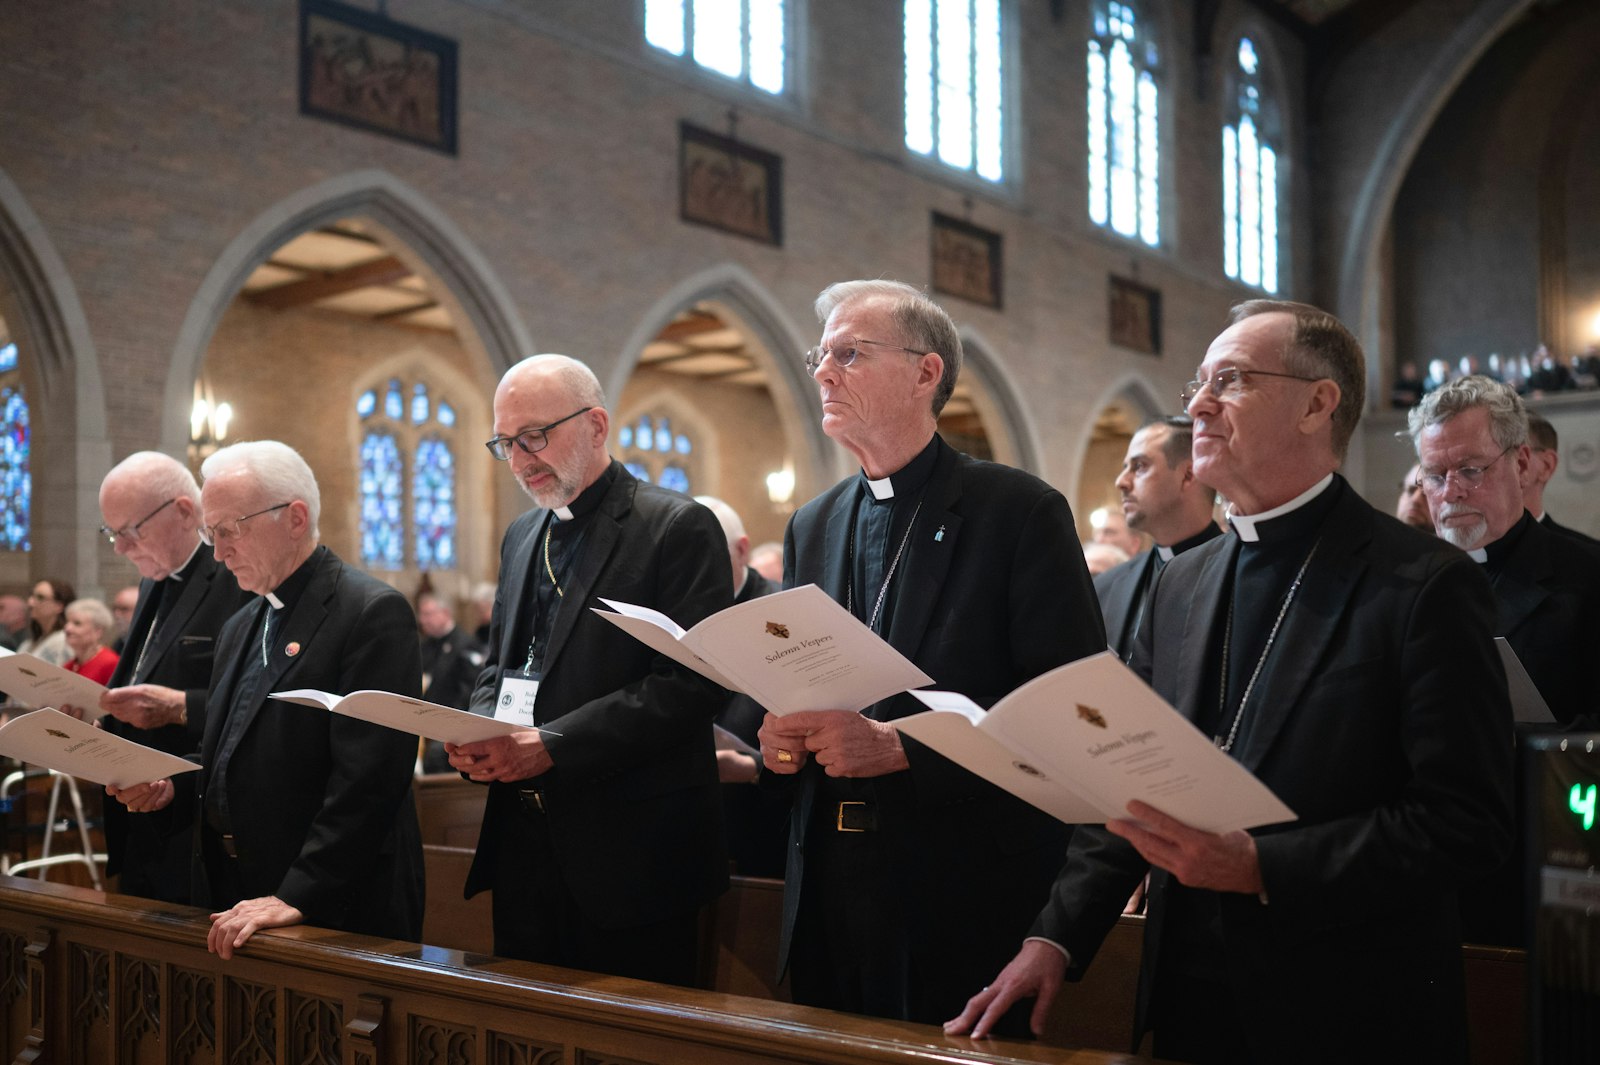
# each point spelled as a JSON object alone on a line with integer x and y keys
{"x": 529, "y": 441}
{"x": 233, "y": 528}
{"x": 131, "y": 533}
{"x": 1469, "y": 477}
{"x": 1229, "y": 382}
{"x": 845, "y": 352}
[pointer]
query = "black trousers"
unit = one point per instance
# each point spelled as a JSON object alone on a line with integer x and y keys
{"x": 536, "y": 918}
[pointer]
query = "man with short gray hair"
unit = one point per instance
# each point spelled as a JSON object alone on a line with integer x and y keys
{"x": 909, "y": 878}
{"x": 303, "y": 816}
{"x": 150, "y": 506}
{"x": 1471, "y": 438}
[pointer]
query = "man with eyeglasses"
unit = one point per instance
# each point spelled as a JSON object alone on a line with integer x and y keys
{"x": 602, "y": 832}
{"x": 910, "y": 879}
{"x": 1472, "y": 447}
{"x": 1347, "y": 661}
{"x": 302, "y": 816}
{"x": 150, "y": 505}
{"x": 1162, "y": 497}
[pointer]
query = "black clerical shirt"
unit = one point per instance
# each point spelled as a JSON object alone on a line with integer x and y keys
{"x": 565, "y": 538}
{"x": 878, "y": 535}
{"x": 265, "y": 644}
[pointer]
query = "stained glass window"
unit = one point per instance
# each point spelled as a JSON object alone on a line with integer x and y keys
{"x": 1124, "y": 128}
{"x": 653, "y": 450}
{"x": 739, "y": 39}
{"x": 433, "y": 495}
{"x": 421, "y": 510}
{"x": 16, "y": 480}
{"x": 8, "y": 357}
{"x": 953, "y": 104}
{"x": 382, "y": 527}
{"x": 675, "y": 478}
{"x": 1250, "y": 176}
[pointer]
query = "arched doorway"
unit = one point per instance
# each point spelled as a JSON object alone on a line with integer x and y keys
{"x": 1125, "y": 407}
{"x": 362, "y": 329}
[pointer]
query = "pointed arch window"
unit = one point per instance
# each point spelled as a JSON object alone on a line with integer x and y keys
{"x": 954, "y": 107}
{"x": 740, "y": 39}
{"x": 1250, "y": 142}
{"x": 653, "y": 450}
{"x": 1124, "y": 122}
{"x": 408, "y": 483}
{"x": 16, "y": 455}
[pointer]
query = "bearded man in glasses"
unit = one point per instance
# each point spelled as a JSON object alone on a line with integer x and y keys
{"x": 909, "y": 878}
{"x": 1473, "y": 456}
{"x": 150, "y": 504}
{"x": 1346, "y": 660}
{"x": 303, "y": 816}
{"x": 602, "y": 834}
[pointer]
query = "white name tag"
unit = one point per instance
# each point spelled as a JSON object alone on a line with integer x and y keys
{"x": 519, "y": 691}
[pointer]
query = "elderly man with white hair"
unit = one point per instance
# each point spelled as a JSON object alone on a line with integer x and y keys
{"x": 150, "y": 506}
{"x": 303, "y": 816}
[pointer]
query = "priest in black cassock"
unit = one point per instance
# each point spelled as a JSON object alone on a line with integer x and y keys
{"x": 1347, "y": 661}
{"x": 1544, "y": 446}
{"x": 1475, "y": 457}
{"x": 909, "y": 878}
{"x": 150, "y": 504}
{"x": 1163, "y": 498}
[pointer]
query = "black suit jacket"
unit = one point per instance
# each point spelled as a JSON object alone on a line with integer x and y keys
{"x": 1118, "y": 590}
{"x": 992, "y": 592}
{"x": 151, "y": 855}
{"x": 1554, "y": 526}
{"x": 321, "y": 804}
{"x": 1382, "y": 720}
{"x": 1548, "y": 595}
{"x": 632, "y": 803}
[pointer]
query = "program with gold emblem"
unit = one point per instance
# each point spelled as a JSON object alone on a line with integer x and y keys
{"x": 1083, "y": 740}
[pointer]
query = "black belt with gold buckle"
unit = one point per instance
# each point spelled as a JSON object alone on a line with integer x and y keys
{"x": 856, "y": 817}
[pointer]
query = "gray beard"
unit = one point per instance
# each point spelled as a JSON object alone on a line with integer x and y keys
{"x": 1465, "y": 537}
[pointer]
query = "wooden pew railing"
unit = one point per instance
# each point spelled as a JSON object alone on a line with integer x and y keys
{"x": 86, "y": 977}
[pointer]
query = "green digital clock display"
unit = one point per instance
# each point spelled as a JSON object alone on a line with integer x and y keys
{"x": 1580, "y": 801}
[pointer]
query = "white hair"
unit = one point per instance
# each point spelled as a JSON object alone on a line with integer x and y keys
{"x": 158, "y": 474}
{"x": 727, "y": 517}
{"x": 275, "y": 467}
{"x": 93, "y": 611}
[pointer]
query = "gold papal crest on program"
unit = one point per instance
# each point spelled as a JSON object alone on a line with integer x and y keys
{"x": 775, "y": 629}
{"x": 1091, "y": 715}
{"x": 58, "y": 734}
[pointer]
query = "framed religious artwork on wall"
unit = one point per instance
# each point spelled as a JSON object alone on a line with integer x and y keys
{"x": 729, "y": 185}
{"x": 1135, "y": 315}
{"x": 966, "y": 260}
{"x": 371, "y": 72}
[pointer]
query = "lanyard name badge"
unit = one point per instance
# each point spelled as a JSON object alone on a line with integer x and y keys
{"x": 519, "y": 688}
{"x": 519, "y": 691}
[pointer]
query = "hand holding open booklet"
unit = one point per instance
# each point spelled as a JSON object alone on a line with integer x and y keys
{"x": 35, "y": 682}
{"x": 796, "y": 650}
{"x": 1082, "y": 740}
{"x": 52, "y": 739}
{"x": 405, "y": 714}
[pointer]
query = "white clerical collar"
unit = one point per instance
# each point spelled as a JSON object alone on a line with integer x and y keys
{"x": 1539, "y": 516}
{"x": 564, "y": 513}
{"x": 177, "y": 574}
{"x": 277, "y": 604}
{"x": 1478, "y": 555}
{"x": 882, "y": 488}
{"x": 1245, "y": 524}
{"x": 1165, "y": 553}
